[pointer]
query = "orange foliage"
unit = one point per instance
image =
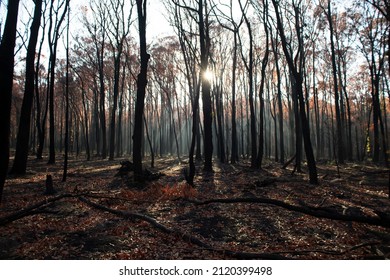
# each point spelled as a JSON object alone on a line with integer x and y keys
{"x": 160, "y": 192}
{"x": 179, "y": 190}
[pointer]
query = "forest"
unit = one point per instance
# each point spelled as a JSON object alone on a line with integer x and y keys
{"x": 194, "y": 129}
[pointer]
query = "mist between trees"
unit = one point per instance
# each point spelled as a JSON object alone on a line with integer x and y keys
{"x": 300, "y": 80}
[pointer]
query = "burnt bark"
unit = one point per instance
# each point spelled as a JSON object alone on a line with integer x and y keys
{"x": 206, "y": 86}
{"x": 118, "y": 29}
{"x": 234, "y": 156}
{"x": 141, "y": 89}
{"x": 22, "y": 142}
{"x": 296, "y": 72}
{"x": 6, "y": 81}
{"x": 339, "y": 127}
{"x": 261, "y": 90}
{"x": 55, "y": 25}
{"x": 249, "y": 67}
{"x": 65, "y": 171}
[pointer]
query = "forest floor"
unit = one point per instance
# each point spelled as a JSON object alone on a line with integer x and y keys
{"x": 234, "y": 212}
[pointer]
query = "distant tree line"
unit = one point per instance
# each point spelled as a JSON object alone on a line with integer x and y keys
{"x": 298, "y": 80}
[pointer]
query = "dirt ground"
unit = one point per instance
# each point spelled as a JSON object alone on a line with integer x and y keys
{"x": 65, "y": 226}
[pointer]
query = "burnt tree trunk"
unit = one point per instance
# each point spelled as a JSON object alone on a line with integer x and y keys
{"x": 86, "y": 125}
{"x": 40, "y": 124}
{"x": 249, "y": 67}
{"x": 150, "y": 143}
{"x": 49, "y": 185}
{"x": 6, "y": 80}
{"x": 119, "y": 28}
{"x": 280, "y": 109}
{"x": 22, "y": 142}
{"x": 141, "y": 88}
{"x": 65, "y": 173}
{"x": 219, "y": 114}
{"x": 206, "y": 88}
{"x": 339, "y": 127}
{"x": 53, "y": 43}
{"x": 261, "y": 91}
{"x": 115, "y": 106}
{"x": 297, "y": 76}
{"x": 234, "y": 156}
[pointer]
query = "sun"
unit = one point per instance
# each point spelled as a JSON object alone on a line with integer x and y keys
{"x": 208, "y": 75}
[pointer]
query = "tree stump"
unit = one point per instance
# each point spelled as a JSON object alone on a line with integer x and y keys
{"x": 49, "y": 185}
{"x": 126, "y": 167}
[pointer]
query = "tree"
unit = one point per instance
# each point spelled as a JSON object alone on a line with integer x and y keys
{"x": 339, "y": 126}
{"x": 274, "y": 42}
{"x": 22, "y": 144}
{"x": 85, "y": 110}
{"x": 264, "y": 17}
{"x": 188, "y": 47}
{"x": 65, "y": 173}
{"x": 165, "y": 76}
{"x": 296, "y": 71}
{"x": 41, "y": 113}
{"x": 56, "y": 19}
{"x": 96, "y": 28}
{"x": 203, "y": 24}
{"x": 118, "y": 28}
{"x": 7, "y": 46}
{"x": 250, "y": 68}
{"x": 141, "y": 89}
{"x": 233, "y": 27}
{"x": 220, "y": 62}
{"x": 206, "y": 84}
{"x": 372, "y": 30}
{"x": 383, "y": 6}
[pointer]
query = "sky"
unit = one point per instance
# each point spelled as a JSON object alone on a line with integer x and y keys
{"x": 157, "y": 23}
{"x": 157, "y": 26}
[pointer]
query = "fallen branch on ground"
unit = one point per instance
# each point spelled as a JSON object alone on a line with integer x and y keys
{"x": 330, "y": 252}
{"x": 31, "y": 210}
{"x": 375, "y": 172}
{"x": 319, "y": 212}
{"x": 186, "y": 237}
{"x": 288, "y": 162}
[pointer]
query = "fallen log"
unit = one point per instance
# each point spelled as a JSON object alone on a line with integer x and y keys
{"x": 288, "y": 162}
{"x": 319, "y": 212}
{"x": 186, "y": 237}
{"x": 331, "y": 252}
{"x": 374, "y": 172}
{"x": 29, "y": 210}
